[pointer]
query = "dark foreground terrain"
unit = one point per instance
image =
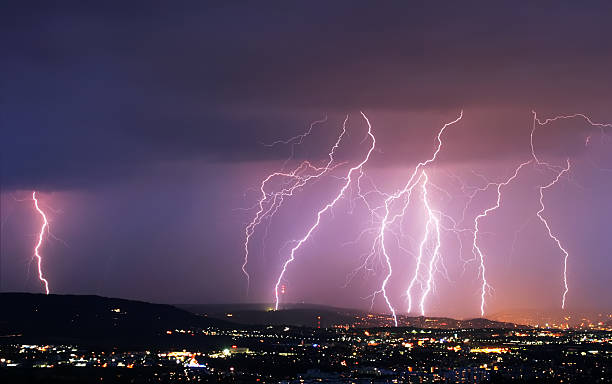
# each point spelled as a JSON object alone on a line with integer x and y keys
{"x": 87, "y": 339}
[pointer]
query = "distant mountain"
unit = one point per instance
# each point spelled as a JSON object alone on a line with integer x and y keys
{"x": 449, "y": 323}
{"x": 312, "y": 315}
{"x": 302, "y": 315}
{"x": 106, "y": 322}
{"x": 93, "y": 320}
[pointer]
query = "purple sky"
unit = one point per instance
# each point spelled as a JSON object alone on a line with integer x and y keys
{"x": 141, "y": 126}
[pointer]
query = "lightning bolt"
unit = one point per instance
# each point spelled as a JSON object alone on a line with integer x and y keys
{"x": 432, "y": 221}
{"x": 297, "y": 139}
{"x": 475, "y": 248}
{"x": 560, "y": 171}
{"x": 387, "y": 219}
{"x": 43, "y": 228}
{"x": 573, "y": 116}
{"x": 537, "y": 122}
{"x": 550, "y": 234}
{"x": 388, "y": 211}
{"x": 269, "y": 202}
{"x": 347, "y": 182}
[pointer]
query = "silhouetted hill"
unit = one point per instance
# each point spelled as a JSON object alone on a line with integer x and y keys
{"x": 92, "y": 319}
{"x": 303, "y": 315}
{"x": 450, "y": 323}
{"x": 311, "y": 315}
{"x": 107, "y": 322}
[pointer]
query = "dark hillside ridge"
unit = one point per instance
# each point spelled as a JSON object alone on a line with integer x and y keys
{"x": 92, "y": 320}
{"x": 313, "y": 315}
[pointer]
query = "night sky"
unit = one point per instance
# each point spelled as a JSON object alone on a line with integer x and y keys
{"x": 141, "y": 125}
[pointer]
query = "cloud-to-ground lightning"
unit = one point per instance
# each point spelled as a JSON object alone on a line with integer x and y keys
{"x": 387, "y": 219}
{"x": 347, "y": 182}
{"x": 552, "y": 236}
{"x": 270, "y": 201}
{"x": 475, "y": 247}
{"x": 559, "y": 172}
{"x": 41, "y": 234}
{"x": 388, "y": 212}
{"x": 432, "y": 225}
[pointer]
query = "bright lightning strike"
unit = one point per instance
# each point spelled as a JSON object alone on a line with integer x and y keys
{"x": 387, "y": 219}
{"x": 476, "y": 248}
{"x": 552, "y": 236}
{"x": 269, "y": 202}
{"x": 387, "y": 212}
{"x": 347, "y": 182}
{"x": 41, "y": 235}
{"x": 432, "y": 222}
{"x": 559, "y": 171}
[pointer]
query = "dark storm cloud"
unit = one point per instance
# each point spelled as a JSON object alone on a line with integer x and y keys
{"x": 92, "y": 91}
